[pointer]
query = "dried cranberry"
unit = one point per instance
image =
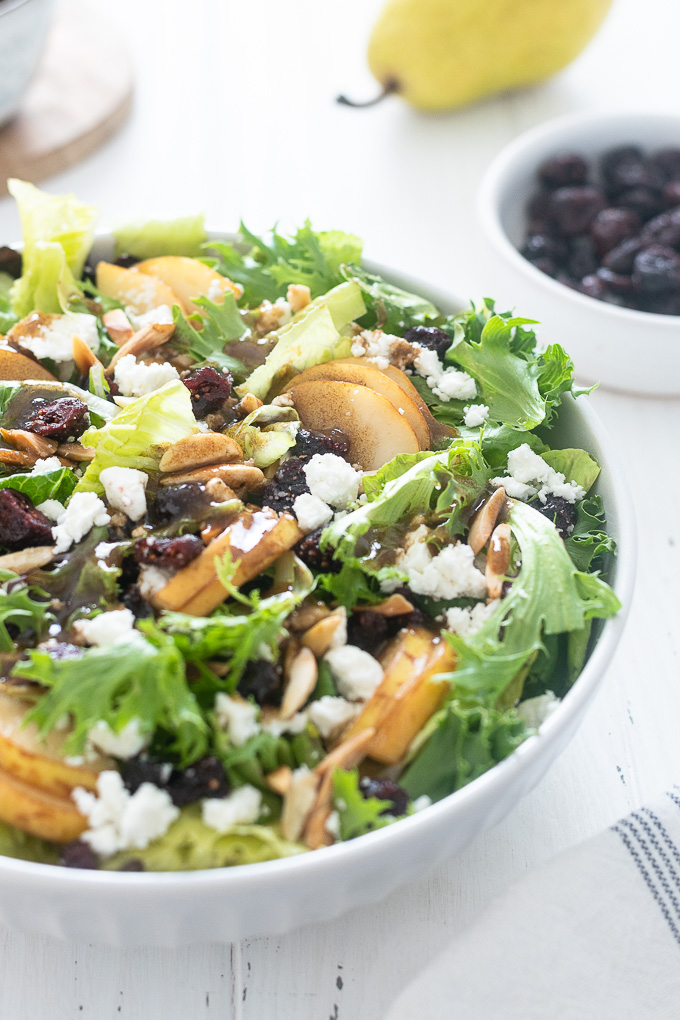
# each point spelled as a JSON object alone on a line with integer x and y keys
{"x": 310, "y": 552}
{"x": 205, "y": 778}
{"x": 64, "y": 650}
{"x": 662, "y": 304}
{"x": 559, "y": 171}
{"x": 21, "y": 525}
{"x": 78, "y": 854}
{"x": 145, "y": 769}
{"x": 559, "y": 511}
{"x": 657, "y": 269}
{"x": 126, "y": 261}
{"x": 612, "y": 226}
{"x": 430, "y": 337}
{"x": 168, "y": 552}
{"x": 592, "y": 286}
{"x": 385, "y": 789}
{"x": 582, "y": 258}
{"x": 667, "y": 162}
{"x": 663, "y": 229}
{"x": 261, "y": 680}
{"x": 367, "y": 630}
{"x": 538, "y": 246}
{"x": 617, "y": 283}
{"x": 10, "y": 262}
{"x": 643, "y": 201}
{"x": 620, "y": 259}
{"x": 538, "y": 207}
{"x": 133, "y": 600}
{"x": 134, "y": 864}
{"x": 311, "y": 441}
{"x": 546, "y": 266}
{"x": 64, "y": 418}
{"x": 288, "y": 483}
{"x": 575, "y": 208}
{"x": 209, "y": 389}
{"x": 671, "y": 193}
{"x": 626, "y": 167}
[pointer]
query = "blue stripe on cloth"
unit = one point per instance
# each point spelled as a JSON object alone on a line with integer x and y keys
{"x": 656, "y": 895}
{"x": 655, "y": 860}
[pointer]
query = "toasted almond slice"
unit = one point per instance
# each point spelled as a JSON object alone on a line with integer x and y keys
{"x": 27, "y": 559}
{"x": 83, "y": 356}
{"x": 306, "y": 616}
{"x": 236, "y": 476}
{"x": 29, "y": 442}
{"x": 280, "y": 780}
{"x": 316, "y": 833}
{"x": 395, "y": 605}
{"x": 17, "y": 458}
{"x": 326, "y": 633}
{"x": 246, "y": 405}
{"x": 118, "y": 326}
{"x": 497, "y": 560}
{"x": 145, "y": 339}
{"x": 297, "y": 804}
{"x": 76, "y": 451}
{"x": 346, "y": 755}
{"x": 301, "y": 681}
{"x": 485, "y": 519}
{"x": 201, "y": 449}
{"x": 218, "y": 491}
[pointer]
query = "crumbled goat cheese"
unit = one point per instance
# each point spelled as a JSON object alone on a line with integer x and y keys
{"x": 476, "y": 415}
{"x": 125, "y": 744}
{"x": 158, "y": 316}
{"x": 53, "y": 338}
{"x": 420, "y": 803}
{"x": 137, "y": 379}
{"x": 152, "y": 579}
{"x": 273, "y": 316}
{"x": 445, "y": 383}
{"x": 332, "y": 479}
{"x": 125, "y": 490}
{"x": 529, "y": 475}
{"x": 375, "y": 346}
{"x": 311, "y": 512}
{"x": 332, "y": 715}
{"x": 356, "y": 673}
{"x": 120, "y": 820}
{"x": 108, "y": 628}
{"x": 52, "y": 508}
{"x": 298, "y": 296}
{"x": 296, "y": 724}
{"x": 241, "y": 807}
{"x": 465, "y": 622}
{"x": 238, "y": 717}
{"x": 534, "y": 711}
{"x": 216, "y": 291}
{"x": 43, "y": 465}
{"x": 84, "y": 511}
{"x": 451, "y": 574}
{"x": 333, "y": 825}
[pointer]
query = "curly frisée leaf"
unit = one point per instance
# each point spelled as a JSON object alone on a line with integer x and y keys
{"x": 392, "y": 309}
{"x": 266, "y": 434}
{"x": 358, "y": 814}
{"x": 589, "y": 542}
{"x": 21, "y": 611}
{"x": 220, "y": 323}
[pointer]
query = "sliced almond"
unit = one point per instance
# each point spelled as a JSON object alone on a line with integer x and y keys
{"x": 301, "y": 681}
{"x": 27, "y": 559}
{"x": 83, "y": 356}
{"x": 280, "y": 780}
{"x": 218, "y": 491}
{"x": 316, "y": 833}
{"x": 346, "y": 755}
{"x": 17, "y": 458}
{"x": 395, "y": 605}
{"x": 76, "y": 451}
{"x": 145, "y": 339}
{"x": 297, "y": 804}
{"x": 247, "y": 405}
{"x": 236, "y": 476}
{"x": 29, "y": 442}
{"x": 201, "y": 449}
{"x": 497, "y": 560}
{"x": 485, "y": 519}
{"x": 306, "y": 616}
{"x": 118, "y": 326}
{"x": 325, "y": 634}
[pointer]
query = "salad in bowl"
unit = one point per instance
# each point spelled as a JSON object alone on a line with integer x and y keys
{"x": 286, "y": 553}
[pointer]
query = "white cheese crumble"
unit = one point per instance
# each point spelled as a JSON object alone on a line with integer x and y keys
{"x": 238, "y": 717}
{"x": 420, "y": 803}
{"x": 52, "y": 508}
{"x": 332, "y": 715}
{"x": 108, "y": 628}
{"x": 445, "y": 383}
{"x": 44, "y": 465}
{"x": 529, "y": 475}
{"x": 465, "y": 622}
{"x": 152, "y": 579}
{"x": 159, "y": 316}
{"x": 333, "y": 824}
{"x": 534, "y": 711}
{"x": 84, "y": 511}
{"x": 273, "y": 316}
{"x": 298, "y": 296}
{"x": 137, "y": 379}
{"x": 476, "y": 415}
{"x": 241, "y": 807}
{"x": 356, "y": 673}
{"x": 54, "y": 335}
{"x": 311, "y": 512}
{"x": 296, "y": 724}
{"x": 332, "y": 479}
{"x": 374, "y": 345}
{"x": 125, "y": 490}
{"x": 120, "y": 820}
{"x": 125, "y": 744}
{"x": 450, "y": 574}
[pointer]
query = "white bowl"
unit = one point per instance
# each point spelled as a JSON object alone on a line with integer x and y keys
{"x": 638, "y": 352}
{"x": 23, "y": 31}
{"x": 128, "y": 909}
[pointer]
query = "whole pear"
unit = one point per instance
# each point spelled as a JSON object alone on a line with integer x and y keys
{"x": 442, "y": 54}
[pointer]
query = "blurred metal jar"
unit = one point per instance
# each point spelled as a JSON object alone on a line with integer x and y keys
{"x": 24, "y": 25}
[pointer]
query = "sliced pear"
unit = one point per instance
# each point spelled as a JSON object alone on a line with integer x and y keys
{"x": 375, "y": 429}
{"x": 437, "y": 430}
{"x": 19, "y": 367}
{"x": 38, "y": 812}
{"x": 139, "y": 292}
{"x": 41, "y": 763}
{"x": 189, "y": 279}
{"x": 363, "y": 373}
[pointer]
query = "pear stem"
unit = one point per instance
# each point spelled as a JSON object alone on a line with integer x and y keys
{"x": 390, "y": 87}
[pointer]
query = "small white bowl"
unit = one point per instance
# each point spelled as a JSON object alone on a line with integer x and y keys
{"x": 624, "y": 349}
{"x": 23, "y": 31}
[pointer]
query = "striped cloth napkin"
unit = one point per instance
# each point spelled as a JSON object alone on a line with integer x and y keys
{"x": 592, "y": 935}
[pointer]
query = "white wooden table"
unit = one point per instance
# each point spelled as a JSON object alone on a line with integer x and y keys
{"x": 235, "y": 114}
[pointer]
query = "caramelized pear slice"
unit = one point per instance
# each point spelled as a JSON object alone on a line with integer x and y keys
{"x": 139, "y": 292}
{"x": 189, "y": 279}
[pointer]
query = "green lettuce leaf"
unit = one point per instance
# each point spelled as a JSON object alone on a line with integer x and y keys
{"x": 58, "y": 232}
{"x": 136, "y": 436}
{"x": 219, "y": 324}
{"x": 350, "y": 586}
{"x": 576, "y": 466}
{"x": 57, "y": 484}
{"x": 7, "y": 316}
{"x": 20, "y": 610}
{"x": 358, "y": 814}
{"x": 312, "y": 338}
{"x": 391, "y": 309}
{"x": 144, "y": 240}
{"x": 18, "y": 844}
{"x": 589, "y": 543}
{"x": 266, "y": 433}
